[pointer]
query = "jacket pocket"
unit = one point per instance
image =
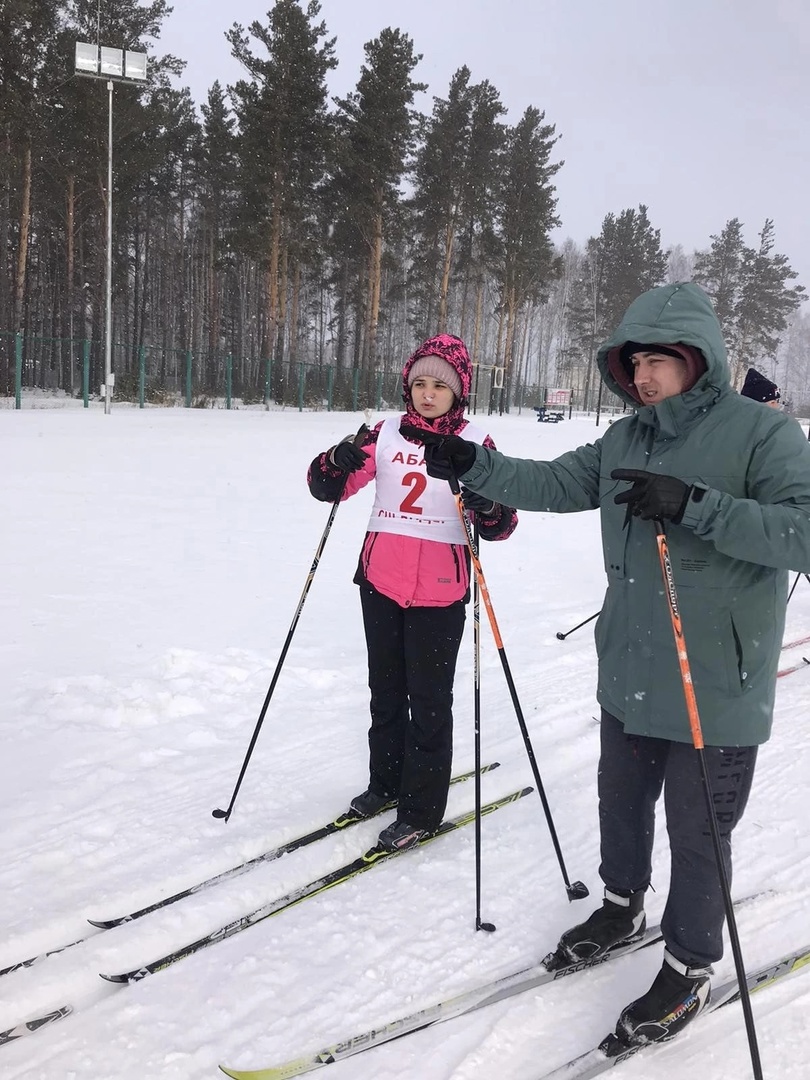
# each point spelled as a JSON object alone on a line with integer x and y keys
{"x": 368, "y": 548}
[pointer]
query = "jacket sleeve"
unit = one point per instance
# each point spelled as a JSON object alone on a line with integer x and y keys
{"x": 772, "y": 526}
{"x": 327, "y": 483}
{"x": 502, "y": 522}
{"x": 563, "y": 486}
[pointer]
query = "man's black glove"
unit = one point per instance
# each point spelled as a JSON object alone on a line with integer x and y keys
{"x": 346, "y": 456}
{"x": 652, "y": 495}
{"x": 478, "y": 503}
{"x": 445, "y": 455}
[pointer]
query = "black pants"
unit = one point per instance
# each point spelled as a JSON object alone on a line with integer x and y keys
{"x": 632, "y": 772}
{"x": 411, "y": 667}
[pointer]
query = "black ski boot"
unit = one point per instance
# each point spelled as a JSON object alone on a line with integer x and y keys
{"x": 369, "y": 804}
{"x": 619, "y": 921}
{"x": 678, "y": 994}
{"x": 399, "y": 836}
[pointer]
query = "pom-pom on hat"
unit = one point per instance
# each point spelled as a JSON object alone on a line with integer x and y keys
{"x": 759, "y": 388}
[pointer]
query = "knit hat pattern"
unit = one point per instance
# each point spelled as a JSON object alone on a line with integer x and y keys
{"x": 446, "y": 351}
{"x": 759, "y": 388}
{"x": 436, "y": 368}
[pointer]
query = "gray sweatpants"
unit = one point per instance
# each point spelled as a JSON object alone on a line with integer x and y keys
{"x": 633, "y": 770}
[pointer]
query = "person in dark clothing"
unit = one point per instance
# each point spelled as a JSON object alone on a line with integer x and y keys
{"x": 731, "y": 480}
{"x": 414, "y": 578}
{"x": 758, "y": 388}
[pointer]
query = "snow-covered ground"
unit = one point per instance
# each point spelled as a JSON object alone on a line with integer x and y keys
{"x": 152, "y": 562}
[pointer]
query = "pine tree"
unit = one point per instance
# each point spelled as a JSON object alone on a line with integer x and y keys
{"x": 283, "y": 129}
{"x": 751, "y": 294}
{"x": 527, "y": 262}
{"x": 218, "y": 181}
{"x": 766, "y": 300}
{"x": 631, "y": 262}
{"x": 440, "y": 176}
{"x": 719, "y": 271}
{"x": 377, "y": 135}
{"x": 28, "y": 32}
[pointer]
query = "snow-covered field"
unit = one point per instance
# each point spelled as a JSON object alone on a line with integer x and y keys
{"x": 152, "y": 562}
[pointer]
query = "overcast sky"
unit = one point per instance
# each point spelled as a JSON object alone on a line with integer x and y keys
{"x": 700, "y": 109}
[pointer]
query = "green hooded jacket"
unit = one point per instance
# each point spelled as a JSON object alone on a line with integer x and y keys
{"x": 746, "y": 524}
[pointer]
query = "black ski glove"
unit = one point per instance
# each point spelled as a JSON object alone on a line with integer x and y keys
{"x": 652, "y": 495}
{"x": 480, "y": 504}
{"x": 346, "y": 456}
{"x": 445, "y": 455}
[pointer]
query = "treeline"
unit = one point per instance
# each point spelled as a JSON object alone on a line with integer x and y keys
{"x": 275, "y": 228}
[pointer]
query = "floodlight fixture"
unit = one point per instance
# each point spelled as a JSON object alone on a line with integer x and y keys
{"x": 112, "y": 62}
{"x": 135, "y": 65}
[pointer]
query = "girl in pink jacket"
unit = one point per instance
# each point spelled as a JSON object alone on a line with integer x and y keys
{"x": 414, "y": 578}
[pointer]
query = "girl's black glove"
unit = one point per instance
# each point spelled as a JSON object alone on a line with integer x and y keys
{"x": 445, "y": 455}
{"x": 478, "y": 503}
{"x": 346, "y": 456}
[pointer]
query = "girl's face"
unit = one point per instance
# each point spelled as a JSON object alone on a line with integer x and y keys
{"x": 431, "y": 397}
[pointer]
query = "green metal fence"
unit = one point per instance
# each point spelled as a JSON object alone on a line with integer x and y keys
{"x": 153, "y": 376}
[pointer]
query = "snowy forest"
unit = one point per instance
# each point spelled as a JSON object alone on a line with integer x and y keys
{"x": 273, "y": 242}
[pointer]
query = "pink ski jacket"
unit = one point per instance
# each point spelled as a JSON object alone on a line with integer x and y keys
{"x": 409, "y": 570}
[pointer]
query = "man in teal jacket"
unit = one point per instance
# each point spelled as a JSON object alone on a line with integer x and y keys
{"x": 731, "y": 481}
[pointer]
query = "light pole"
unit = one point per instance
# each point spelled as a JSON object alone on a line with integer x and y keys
{"x": 114, "y": 65}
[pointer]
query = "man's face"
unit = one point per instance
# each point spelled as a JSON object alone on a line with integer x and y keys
{"x": 658, "y": 376}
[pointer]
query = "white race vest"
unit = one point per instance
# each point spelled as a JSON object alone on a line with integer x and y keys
{"x": 408, "y": 501}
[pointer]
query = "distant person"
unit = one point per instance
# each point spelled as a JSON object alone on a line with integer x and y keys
{"x": 414, "y": 578}
{"x": 758, "y": 388}
{"x": 732, "y": 483}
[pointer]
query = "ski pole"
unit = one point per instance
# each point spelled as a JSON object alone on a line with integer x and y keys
{"x": 577, "y": 890}
{"x": 793, "y": 587}
{"x": 795, "y": 583}
{"x": 225, "y": 814}
{"x": 479, "y": 925}
{"x": 697, "y": 740}
{"x": 590, "y": 618}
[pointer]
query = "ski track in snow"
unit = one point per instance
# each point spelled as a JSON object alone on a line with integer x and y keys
{"x": 153, "y": 564}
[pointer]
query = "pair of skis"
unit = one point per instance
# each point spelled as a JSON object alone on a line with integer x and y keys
{"x": 343, "y": 822}
{"x": 372, "y": 857}
{"x": 587, "y": 1066}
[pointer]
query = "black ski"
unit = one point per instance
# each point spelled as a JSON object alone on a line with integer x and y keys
{"x": 28, "y": 1028}
{"x": 342, "y": 822}
{"x": 612, "y": 1051}
{"x": 359, "y": 865}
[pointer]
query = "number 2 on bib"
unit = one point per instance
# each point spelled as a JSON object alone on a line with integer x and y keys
{"x": 417, "y": 482}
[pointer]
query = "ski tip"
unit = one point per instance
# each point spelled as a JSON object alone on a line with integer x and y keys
{"x": 105, "y": 924}
{"x": 119, "y": 980}
{"x": 257, "y": 1074}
